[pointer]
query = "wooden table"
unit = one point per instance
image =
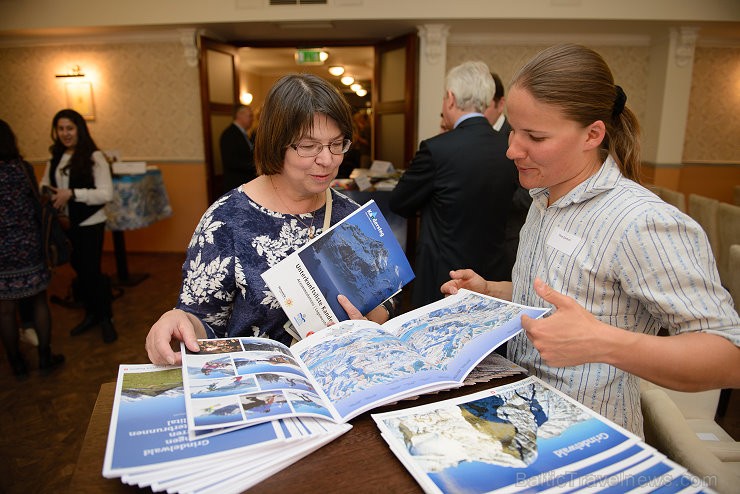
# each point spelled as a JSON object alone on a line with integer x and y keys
{"x": 359, "y": 461}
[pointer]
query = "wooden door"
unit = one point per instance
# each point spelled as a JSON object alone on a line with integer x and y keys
{"x": 219, "y": 86}
{"x": 394, "y": 100}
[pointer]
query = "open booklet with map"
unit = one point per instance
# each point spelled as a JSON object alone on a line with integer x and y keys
{"x": 347, "y": 368}
{"x": 525, "y": 437}
{"x": 359, "y": 257}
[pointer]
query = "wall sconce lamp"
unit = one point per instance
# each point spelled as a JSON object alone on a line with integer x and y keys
{"x": 361, "y": 93}
{"x": 336, "y": 70}
{"x": 347, "y": 80}
{"x": 75, "y": 72}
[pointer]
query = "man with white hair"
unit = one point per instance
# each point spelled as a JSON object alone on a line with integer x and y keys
{"x": 461, "y": 190}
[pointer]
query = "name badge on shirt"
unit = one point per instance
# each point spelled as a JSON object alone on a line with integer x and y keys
{"x": 563, "y": 241}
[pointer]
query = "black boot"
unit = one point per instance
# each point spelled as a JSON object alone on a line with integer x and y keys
{"x": 109, "y": 332}
{"x": 47, "y": 360}
{"x": 87, "y": 323}
{"x": 20, "y": 370}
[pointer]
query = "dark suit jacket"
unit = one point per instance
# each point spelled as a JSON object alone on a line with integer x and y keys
{"x": 237, "y": 158}
{"x": 462, "y": 184}
{"x": 518, "y": 214}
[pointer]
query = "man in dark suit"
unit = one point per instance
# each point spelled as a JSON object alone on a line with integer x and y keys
{"x": 461, "y": 188}
{"x": 237, "y": 150}
{"x": 521, "y": 201}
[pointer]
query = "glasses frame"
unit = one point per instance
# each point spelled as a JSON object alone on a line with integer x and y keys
{"x": 346, "y": 144}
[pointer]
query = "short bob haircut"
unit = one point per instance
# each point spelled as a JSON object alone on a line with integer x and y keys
{"x": 288, "y": 115}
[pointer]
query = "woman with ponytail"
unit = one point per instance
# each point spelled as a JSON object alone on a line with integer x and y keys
{"x": 614, "y": 261}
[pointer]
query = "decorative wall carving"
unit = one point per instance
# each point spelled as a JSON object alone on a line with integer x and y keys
{"x": 434, "y": 37}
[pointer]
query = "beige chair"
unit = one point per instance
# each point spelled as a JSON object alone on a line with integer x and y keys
{"x": 728, "y": 229}
{"x": 704, "y": 211}
{"x": 734, "y": 284}
{"x": 670, "y": 196}
{"x": 681, "y": 426}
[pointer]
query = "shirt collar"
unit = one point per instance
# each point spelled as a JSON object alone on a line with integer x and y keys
{"x": 467, "y": 116}
{"x": 499, "y": 123}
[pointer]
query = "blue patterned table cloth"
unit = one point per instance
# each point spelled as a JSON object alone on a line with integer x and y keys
{"x": 138, "y": 201}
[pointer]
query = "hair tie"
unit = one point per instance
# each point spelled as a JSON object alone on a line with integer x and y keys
{"x": 619, "y": 100}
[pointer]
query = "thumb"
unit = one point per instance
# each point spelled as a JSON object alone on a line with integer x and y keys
{"x": 190, "y": 341}
{"x": 546, "y": 292}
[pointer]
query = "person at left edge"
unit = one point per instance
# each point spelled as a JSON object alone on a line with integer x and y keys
{"x": 80, "y": 179}
{"x": 237, "y": 150}
{"x": 305, "y": 129}
{"x": 24, "y": 275}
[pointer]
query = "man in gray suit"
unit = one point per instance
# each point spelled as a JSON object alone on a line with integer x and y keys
{"x": 460, "y": 187}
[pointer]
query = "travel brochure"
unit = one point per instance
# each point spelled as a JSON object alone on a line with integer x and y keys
{"x": 359, "y": 257}
{"x": 348, "y": 368}
{"x": 149, "y": 445}
{"x": 525, "y": 437}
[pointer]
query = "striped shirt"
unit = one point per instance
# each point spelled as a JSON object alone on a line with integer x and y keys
{"x": 631, "y": 260}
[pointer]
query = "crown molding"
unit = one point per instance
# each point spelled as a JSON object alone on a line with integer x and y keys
{"x": 151, "y": 36}
{"x": 529, "y": 39}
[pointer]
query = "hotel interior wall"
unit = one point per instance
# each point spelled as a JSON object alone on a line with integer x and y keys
{"x": 147, "y": 105}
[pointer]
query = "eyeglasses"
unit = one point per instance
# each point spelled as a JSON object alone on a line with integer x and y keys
{"x": 311, "y": 149}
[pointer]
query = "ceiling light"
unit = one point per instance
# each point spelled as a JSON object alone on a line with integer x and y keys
{"x": 347, "y": 80}
{"x": 355, "y": 87}
{"x": 323, "y": 56}
{"x": 361, "y": 92}
{"x": 336, "y": 70}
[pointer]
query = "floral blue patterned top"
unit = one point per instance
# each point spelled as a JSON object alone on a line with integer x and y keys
{"x": 235, "y": 242}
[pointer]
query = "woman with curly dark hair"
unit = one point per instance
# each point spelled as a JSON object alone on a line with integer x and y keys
{"x": 79, "y": 178}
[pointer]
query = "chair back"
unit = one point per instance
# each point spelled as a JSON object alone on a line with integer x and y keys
{"x": 704, "y": 211}
{"x": 672, "y": 197}
{"x": 728, "y": 229}
{"x": 734, "y": 267}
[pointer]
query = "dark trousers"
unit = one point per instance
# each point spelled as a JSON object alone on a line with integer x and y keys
{"x": 93, "y": 287}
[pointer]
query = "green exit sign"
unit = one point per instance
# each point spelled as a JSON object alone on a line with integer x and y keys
{"x": 311, "y": 56}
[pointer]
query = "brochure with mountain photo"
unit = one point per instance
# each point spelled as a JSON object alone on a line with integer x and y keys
{"x": 359, "y": 257}
{"x": 149, "y": 445}
{"x": 348, "y": 368}
{"x": 524, "y": 437}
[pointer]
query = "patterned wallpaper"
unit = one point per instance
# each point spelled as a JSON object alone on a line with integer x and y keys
{"x": 629, "y": 65}
{"x": 146, "y": 98}
{"x": 714, "y": 104}
{"x": 713, "y": 124}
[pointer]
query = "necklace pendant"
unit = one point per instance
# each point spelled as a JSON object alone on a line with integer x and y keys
{"x": 311, "y": 232}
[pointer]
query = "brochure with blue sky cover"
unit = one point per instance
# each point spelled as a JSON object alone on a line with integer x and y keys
{"x": 348, "y": 368}
{"x": 148, "y": 442}
{"x": 523, "y": 437}
{"x": 359, "y": 257}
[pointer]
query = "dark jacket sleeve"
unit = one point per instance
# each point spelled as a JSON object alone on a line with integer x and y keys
{"x": 416, "y": 185}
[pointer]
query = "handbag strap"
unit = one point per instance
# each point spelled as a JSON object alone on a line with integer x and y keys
{"x": 327, "y": 213}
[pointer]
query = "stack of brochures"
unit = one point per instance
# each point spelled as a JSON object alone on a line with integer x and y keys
{"x": 249, "y": 407}
{"x": 525, "y": 437}
{"x": 149, "y": 443}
